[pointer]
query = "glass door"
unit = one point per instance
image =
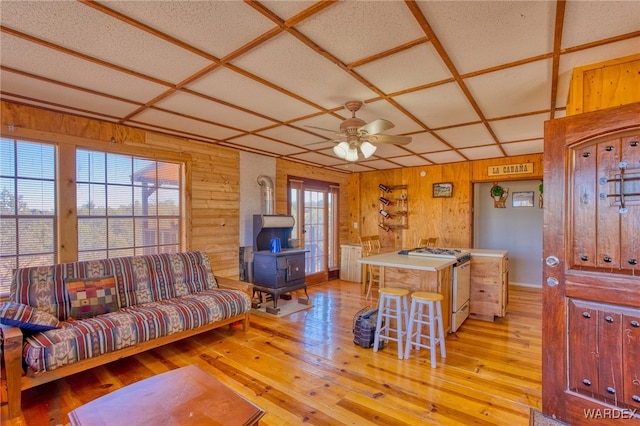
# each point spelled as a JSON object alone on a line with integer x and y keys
{"x": 314, "y": 206}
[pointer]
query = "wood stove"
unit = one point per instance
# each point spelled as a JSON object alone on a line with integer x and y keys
{"x": 276, "y": 273}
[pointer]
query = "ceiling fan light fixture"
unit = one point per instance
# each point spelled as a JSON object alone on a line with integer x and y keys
{"x": 352, "y": 154}
{"x": 367, "y": 149}
{"x": 341, "y": 150}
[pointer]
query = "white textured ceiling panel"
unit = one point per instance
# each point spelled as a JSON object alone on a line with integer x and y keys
{"x": 197, "y": 128}
{"x": 411, "y": 161}
{"x": 523, "y": 148}
{"x": 354, "y": 30}
{"x": 481, "y": 34}
{"x": 466, "y": 136}
{"x": 444, "y": 157}
{"x": 380, "y": 164}
{"x": 12, "y": 83}
{"x": 22, "y": 55}
{"x": 482, "y": 152}
{"x": 315, "y": 157}
{"x": 214, "y": 112}
{"x": 232, "y": 87}
{"x": 588, "y": 21}
{"x": 290, "y": 135}
{"x": 217, "y": 28}
{"x": 264, "y": 144}
{"x": 429, "y": 107}
{"x": 388, "y": 150}
{"x": 292, "y": 65}
{"x": 520, "y": 128}
{"x": 425, "y": 142}
{"x": 85, "y": 30}
{"x": 520, "y": 89}
{"x": 410, "y": 68}
{"x": 288, "y": 65}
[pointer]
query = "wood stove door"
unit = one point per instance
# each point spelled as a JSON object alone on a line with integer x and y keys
{"x": 295, "y": 268}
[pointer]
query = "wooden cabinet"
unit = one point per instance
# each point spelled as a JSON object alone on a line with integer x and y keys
{"x": 603, "y": 350}
{"x": 489, "y": 284}
{"x": 350, "y": 269}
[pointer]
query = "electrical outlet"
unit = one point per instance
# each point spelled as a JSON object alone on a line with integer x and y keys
{"x": 355, "y": 225}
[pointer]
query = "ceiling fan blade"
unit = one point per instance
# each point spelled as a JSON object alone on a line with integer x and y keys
{"x": 376, "y": 126}
{"x": 389, "y": 139}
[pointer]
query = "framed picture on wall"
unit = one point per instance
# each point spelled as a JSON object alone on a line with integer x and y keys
{"x": 522, "y": 199}
{"x": 442, "y": 190}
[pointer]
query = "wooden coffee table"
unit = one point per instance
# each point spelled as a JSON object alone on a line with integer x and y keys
{"x": 187, "y": 395}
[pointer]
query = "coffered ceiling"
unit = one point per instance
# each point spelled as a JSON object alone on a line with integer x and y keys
{"x": 466, "y": 80}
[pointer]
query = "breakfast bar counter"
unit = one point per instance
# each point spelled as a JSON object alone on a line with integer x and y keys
{"x": 416, "y": 273}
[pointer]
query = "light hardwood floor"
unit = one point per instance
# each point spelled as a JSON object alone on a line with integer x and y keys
{"x": 305, "y": 368}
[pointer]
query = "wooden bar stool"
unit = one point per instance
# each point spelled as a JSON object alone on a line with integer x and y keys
{"x": 417, "y": 318}
{"x": 387, "y": 312}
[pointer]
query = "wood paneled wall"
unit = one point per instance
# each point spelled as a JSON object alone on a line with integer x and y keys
{"x": 212, "y": 186}
{"x": 448, "y": 219}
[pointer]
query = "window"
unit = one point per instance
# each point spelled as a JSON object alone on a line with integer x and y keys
{"x": 127, "y": 205}
{"x": 28, "y": 219}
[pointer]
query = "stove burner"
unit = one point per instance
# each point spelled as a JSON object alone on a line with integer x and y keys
{"x": 460, "y": 255}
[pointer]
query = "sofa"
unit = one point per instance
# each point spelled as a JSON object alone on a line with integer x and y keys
{"x": 66, "y": 318}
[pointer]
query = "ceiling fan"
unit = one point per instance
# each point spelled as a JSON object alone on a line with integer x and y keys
{"x": 356, "y": 135}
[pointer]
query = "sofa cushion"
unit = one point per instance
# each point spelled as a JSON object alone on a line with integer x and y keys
{"x": 27, "y": 317}
{"x": 89, "y": 297}
{"x": 139, "y": 280}
{"x": 86, "y": 338}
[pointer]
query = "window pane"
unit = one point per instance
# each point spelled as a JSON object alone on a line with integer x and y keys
{"x": 120, "y": 232}
{"x": 38, "y": 196}
{"x": 91, "y": 199}
{"x": 35, "y": 160}
{"x": 27, "y": 207}
{"x": 92, "y": 234}
{"x": 7, "y": 158}
{"x": 120, "y": 200}
{"x": 168, "y": 202}
{"x": 145, "y": 203}
{"x": 169, "y": 231}
{"x": 8, "y": 237}
{"x": 35, "y": 236}
{"x": 146, "y": 232}
{"x": 92, "y": 255}
{"x": 7, "y": 196}
{"x": 119, "y": 169}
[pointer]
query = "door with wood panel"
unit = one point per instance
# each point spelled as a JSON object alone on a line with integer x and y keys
{"x": 591, "y": 273}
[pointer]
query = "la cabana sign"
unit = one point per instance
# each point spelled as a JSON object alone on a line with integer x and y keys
{"x": 511, "y": 169}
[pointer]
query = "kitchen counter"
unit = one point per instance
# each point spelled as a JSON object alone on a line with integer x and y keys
{"x": 416, "y": 273}
{"x": 393, "y": 259}
{"x": 487, "y": 252}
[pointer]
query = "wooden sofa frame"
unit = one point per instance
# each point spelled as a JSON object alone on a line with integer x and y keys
{"x": 14, "y": 381}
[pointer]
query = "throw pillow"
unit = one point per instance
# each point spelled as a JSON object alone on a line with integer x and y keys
{"x": 27, "y": 317}
{"x": 89, "y": 297}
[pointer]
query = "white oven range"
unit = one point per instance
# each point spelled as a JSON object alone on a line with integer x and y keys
{"x": 461, "y": 285}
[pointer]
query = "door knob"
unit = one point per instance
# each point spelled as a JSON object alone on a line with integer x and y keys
{"x": 552, "y": 261}
{"x": 552, "y": 281}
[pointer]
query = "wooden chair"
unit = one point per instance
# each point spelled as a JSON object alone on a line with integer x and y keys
{"x": 375, "y": 243}
{"x": 371, "y": 273}
{"x": 427, "y": 242}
